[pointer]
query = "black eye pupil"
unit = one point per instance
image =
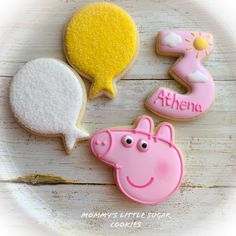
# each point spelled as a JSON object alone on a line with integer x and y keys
{"x": 144, "y": 145}
{"x": 129, "y": 141}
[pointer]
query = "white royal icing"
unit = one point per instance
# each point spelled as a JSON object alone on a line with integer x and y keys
{"x": 172, "y": 40}
{"x": 47, "y": 97}
{"x": 197, "y": 77}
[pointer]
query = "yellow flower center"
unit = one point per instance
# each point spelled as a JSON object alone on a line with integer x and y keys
{"x": 200, "y": 43}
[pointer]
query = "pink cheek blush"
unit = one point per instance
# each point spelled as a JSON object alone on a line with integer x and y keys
{"x": 161, "y": 169}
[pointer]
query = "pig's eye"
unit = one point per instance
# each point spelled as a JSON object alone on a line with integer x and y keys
{"x": 127, "y": 141}
{"x": 142, "y": 145}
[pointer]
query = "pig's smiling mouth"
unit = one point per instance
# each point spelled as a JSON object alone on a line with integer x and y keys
{"x": 139, "y": 186}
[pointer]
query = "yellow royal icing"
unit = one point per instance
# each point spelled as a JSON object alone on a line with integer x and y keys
{"x": 101, "y": 40}
{"x": 200, "y": 43}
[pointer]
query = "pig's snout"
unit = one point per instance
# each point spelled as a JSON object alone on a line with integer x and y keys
{"x": 101, "y": 143}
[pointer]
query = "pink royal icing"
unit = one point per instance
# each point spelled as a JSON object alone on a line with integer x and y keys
{"x": 148, "y": 167}
{"x": 192, "y": 47}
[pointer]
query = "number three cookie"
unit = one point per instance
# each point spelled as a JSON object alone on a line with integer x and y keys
{"x": 192, "y": 48}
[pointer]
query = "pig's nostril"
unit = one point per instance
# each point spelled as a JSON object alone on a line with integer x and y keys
{"x": 104, "y": 143}
{"x": 97, "y": 142}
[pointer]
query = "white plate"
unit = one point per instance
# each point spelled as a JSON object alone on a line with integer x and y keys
{"x": 63, "y": 187}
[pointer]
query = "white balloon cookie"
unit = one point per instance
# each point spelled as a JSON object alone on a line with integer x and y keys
{"x": 48, "y": 98}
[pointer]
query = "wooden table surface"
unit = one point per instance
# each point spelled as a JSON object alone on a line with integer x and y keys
{"x": 45, "y": 192}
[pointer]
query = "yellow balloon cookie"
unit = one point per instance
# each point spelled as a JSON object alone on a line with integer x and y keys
{"x": 101, "y": 41}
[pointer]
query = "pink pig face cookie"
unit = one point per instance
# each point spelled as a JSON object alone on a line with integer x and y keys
{"x": 148, "y": 166}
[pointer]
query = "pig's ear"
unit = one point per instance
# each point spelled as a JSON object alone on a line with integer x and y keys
{"x": 145, "y": 124}
{"x": 166, "y": 132}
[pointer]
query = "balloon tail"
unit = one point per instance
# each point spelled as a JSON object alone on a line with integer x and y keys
{"x": 72, "y": 137}
{"x": 102, "y": 85}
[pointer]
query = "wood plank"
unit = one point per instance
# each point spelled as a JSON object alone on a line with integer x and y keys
{"x": 36, "y": 32}
{"x": 61, "y": 208}
{"x": 208, "y": 144}
{"x": 15, "y": 220}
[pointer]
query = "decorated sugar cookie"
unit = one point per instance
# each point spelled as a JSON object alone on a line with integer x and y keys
{"x": 48, "y": 99}
{"x": 191, "y": 48}
{"x": 101, "y": 42}
{"x": 148, "y": 166}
